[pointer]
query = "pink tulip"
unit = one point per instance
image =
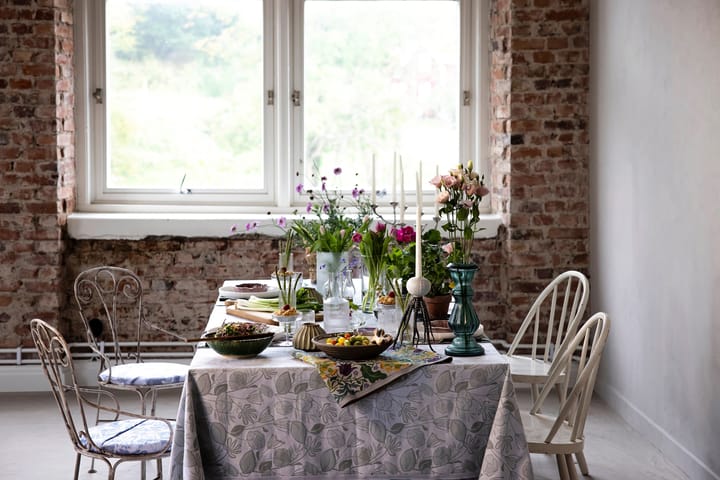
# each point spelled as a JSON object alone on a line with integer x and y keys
{"x": 357, "y": 237}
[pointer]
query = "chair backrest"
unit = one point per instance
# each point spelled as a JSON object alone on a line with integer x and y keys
{"x": 555, "y": 315}
{"x": 111, "y": 299}
{"x": 588, "y": 343}
{"x": 58, "y": 366}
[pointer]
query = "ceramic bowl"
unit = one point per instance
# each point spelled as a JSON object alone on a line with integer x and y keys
{"x": 241, "y": 347}
{"x": 350, "y": 352}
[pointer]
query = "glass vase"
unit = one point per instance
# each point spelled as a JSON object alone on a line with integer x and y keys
{"x": 288, "y": 282}
{"x": 463, "y": 320}
{"x": 327, "y": 262}
{"x": 373, "y": 267}
{"x": 336, "y": 309}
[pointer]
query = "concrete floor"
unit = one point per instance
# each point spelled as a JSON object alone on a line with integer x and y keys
{"x": 34, "y": 445}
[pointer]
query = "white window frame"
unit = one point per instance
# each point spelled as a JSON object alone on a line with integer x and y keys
{"x": 283, "y": 129}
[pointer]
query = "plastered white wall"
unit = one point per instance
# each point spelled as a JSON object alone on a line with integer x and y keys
{"x": 655, "y": 219}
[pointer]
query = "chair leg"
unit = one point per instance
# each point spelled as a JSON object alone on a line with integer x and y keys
{"x": 562, "y": 467}
{"x": 571, "y": 467}
{"x": 77, "y": 466}
{"x": 582, "y": 462}
{"x": 534, "y": 394}
{"x": 159, "y": 469}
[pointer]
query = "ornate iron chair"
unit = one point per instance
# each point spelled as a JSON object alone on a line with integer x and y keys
{"x": 563, "y": 435}
{"x": 135, "y": 438}
{"x": 112, "y": 298}
{"x": 560, "y": 307}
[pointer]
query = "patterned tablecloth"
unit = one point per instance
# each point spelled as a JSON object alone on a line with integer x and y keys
{"x": 273, "y": 417}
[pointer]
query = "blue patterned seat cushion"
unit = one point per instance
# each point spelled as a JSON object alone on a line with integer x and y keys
{"x": 130, "y": 437}
{"x": 151, "y": 373}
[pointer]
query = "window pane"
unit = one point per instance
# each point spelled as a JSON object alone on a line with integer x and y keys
{"x": 381, "y": 77}
{"x": 185, "y": 90}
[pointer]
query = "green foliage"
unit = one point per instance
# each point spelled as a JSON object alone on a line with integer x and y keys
{"x": 435, "y": 264}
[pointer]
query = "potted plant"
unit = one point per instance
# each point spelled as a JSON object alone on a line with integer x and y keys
{"x": 435, "y": 270}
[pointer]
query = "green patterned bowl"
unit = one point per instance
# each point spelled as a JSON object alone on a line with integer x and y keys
{"x": 240, "y": 347}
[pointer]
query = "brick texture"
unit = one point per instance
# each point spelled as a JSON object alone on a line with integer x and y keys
{"x": 538, "y": 157}
{"x": 36, "y": 158}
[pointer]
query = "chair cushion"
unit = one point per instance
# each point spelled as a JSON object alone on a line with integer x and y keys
{"x": 151, "y": 373}
{"x": 130, "y": 437}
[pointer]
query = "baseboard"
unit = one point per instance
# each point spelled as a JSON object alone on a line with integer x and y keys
{"x": 671, "y": 448}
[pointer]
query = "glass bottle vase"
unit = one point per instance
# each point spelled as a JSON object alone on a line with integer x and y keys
{"x": 336, "y": 309}
{"x": 463, "y": 320}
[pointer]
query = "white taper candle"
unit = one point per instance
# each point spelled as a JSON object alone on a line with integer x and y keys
{"x": 418, "y": 224}
{"x": 372, "y": 182}
{"x": 402, "y": 191}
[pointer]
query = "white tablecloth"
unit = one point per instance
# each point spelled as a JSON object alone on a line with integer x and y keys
{"x": 272, "y": 417}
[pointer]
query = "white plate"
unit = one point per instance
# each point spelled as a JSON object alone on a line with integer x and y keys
{"x": 228, "y": 291}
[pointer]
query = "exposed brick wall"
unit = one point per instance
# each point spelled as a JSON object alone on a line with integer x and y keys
{"x": 540, "y": 142}
{"x": 35, "y": 144}
{"x": 539, "y": 159}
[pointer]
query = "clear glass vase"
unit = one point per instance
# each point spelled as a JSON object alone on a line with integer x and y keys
{"x": 326, "y": 262}
{"x": 463, "y": 320}
{"x": 373, "y": 268}
{"x": 336, "y": 308}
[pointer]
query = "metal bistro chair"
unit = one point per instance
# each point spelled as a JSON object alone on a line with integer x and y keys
{"x": 112, "y": 297}
{"x": 563, "y": 435}
{"x": 135, "y": 438}
{"x": 554, "y": 317}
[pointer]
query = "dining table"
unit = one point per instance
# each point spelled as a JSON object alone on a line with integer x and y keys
{"x": 273, "y": 416}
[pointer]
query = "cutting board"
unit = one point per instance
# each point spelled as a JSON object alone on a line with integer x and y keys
{"x": 260, "y": 317}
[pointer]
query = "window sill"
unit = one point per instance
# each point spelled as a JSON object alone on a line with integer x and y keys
{"x": 136, "y": 226}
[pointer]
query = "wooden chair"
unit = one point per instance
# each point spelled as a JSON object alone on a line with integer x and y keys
{"x": 134, "y": 438}
{"x": 563, "y": 435}
{"x": 554, "y": 318}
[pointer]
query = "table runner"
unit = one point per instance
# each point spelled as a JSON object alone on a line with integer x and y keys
{"x": 349, "y": 380}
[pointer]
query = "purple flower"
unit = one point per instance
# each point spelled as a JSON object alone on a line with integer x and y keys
{"x": 323, "y": 178}
{"x": 326, "y": 208}
{"x": 337, "y": 171}
{"x": 324, "y": 189}
{"x": 251, "y": 226}
{"x": 355, "y": 193}
{"x": 308, "y": 209}
{"x": 345, "y": 369}
{"x": 299, "y": 188}
{"x": 282, "y": 222}
{"x": 357, "y": 237}
{"x": 233, "y": 228}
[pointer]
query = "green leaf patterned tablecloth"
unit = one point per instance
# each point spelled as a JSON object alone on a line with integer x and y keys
{"x": 273, "y": 417}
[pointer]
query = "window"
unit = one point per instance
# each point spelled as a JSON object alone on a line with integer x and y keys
{"x": 224, "y": 106}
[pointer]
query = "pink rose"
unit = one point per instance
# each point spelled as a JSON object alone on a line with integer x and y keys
{"x": 442, "y": 197}
{"x": 476, "y": 189}
{"x": 436, "y": 181}
{"x": 449, "y": 181}
{"x": 448, "y": 248}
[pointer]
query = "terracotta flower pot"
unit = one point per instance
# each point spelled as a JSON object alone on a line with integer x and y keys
{"x": 438, "y": 307}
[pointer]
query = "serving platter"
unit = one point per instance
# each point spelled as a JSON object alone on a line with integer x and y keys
{"x": 236, "y": 290}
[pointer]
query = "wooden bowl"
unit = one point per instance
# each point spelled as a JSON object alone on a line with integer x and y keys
{"x": 350, "y": 352}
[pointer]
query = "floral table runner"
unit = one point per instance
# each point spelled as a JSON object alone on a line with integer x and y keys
{"x": 349, "y": 380}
